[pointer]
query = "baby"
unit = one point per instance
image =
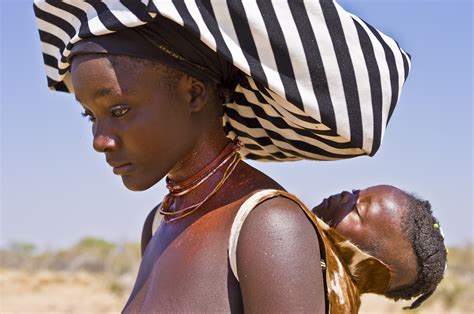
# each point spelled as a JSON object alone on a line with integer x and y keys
{"x": 397, "y": 228}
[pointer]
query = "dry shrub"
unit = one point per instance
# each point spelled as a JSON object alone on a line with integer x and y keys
{"x": 89, "y": 254}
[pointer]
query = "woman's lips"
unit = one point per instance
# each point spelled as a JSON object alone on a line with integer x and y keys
{"x": 123, "y": 169}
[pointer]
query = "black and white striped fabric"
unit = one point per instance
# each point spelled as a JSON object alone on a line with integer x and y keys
{"x": 320, "y": 82}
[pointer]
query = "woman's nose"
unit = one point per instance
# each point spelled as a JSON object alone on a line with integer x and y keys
{"x": 103, "y": 143}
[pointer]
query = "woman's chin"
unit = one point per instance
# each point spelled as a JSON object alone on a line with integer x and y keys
{"x": 137, "y": 184}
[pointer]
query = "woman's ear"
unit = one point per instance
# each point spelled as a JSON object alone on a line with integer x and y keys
{"x": 198, "y": 93}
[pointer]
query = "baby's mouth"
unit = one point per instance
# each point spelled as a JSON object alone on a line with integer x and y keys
{"x": 331, "y": 211}
{"x": 322, "y": 211}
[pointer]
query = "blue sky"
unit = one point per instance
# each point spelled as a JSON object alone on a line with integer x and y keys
{"x": 55, "y": 189}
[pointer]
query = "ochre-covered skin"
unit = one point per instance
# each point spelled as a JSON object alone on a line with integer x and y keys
{"x": 147, "y": 130}
{"x": 140, "y": 121}
{"x": 349, "y": 271}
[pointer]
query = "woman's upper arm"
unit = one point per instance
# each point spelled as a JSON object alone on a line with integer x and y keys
{"x": 278, "y": 260}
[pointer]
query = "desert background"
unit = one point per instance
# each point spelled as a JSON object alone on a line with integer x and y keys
{"x": 96, "y": 276}
{"x": 68, "y": 226}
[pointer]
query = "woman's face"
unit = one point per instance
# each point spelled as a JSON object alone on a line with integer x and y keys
{"x": 372, "y": 220}
{"x": 139, "y": 120}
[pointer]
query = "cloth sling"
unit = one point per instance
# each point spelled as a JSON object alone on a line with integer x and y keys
{"x": 318, "y": 82}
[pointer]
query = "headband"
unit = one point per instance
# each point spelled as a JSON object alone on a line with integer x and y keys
{"x": 166, "y": 42}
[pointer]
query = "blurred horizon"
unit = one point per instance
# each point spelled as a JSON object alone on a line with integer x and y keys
{"x": 103, "y": 273}
{"x": 55, "y": 190}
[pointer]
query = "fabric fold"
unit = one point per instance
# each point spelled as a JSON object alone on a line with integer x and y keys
{"x": 311, "y": 63}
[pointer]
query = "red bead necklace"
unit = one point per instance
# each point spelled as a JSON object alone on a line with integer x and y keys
{"x": 229, "y": 153}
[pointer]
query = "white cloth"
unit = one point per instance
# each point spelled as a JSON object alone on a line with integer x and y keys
{"x": 318, "y": 82}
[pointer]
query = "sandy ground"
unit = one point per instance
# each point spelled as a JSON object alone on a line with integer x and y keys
{"x": 48, "y": 292}
{"x": 81, "y": 292}
{"x": 377, "y": 304}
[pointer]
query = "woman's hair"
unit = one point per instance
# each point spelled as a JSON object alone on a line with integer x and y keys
{"x": 171, "y": 75}
{"x": 169, "y": 80}
{"x": 424, "y": 233}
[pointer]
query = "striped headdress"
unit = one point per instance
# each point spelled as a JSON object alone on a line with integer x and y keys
{"x": 319, "y": 82}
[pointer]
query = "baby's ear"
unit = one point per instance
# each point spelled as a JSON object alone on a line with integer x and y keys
{"x": 370, "y": 274}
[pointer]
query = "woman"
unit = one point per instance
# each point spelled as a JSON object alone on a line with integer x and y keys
{"x": 171, "y": 126}
{"x": 154, "y": 96}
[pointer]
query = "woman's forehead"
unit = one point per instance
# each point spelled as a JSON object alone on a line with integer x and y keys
{"x": 95, "y": 77}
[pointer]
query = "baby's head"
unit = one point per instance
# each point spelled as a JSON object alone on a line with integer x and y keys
{"x": 396, "y": 227}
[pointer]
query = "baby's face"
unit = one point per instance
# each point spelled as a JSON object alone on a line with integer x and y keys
{"x": 371, "y": 219}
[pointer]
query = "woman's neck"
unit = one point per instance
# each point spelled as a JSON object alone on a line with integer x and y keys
{"x": 204, "y": 152}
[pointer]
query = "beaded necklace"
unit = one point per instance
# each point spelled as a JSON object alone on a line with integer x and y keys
{"x": 230, "y": 152}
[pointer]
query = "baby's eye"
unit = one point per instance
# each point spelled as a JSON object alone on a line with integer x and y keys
{"x": 118, "y": 111}
{"x": 356, "y": 209}
{"x": 88, "y": 114}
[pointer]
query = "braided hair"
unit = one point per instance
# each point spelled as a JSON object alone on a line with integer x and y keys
{"x": 423, "y": 232}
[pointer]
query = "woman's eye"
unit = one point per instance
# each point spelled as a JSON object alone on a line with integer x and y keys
{"x": 119, "y": 111}
{"x": 87, "y": 114}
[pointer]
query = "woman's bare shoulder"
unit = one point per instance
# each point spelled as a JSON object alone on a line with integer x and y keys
{"x": 278, "y": 259}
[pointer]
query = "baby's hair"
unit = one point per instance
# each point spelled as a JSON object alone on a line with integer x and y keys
{"x": 424, "y": 234}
